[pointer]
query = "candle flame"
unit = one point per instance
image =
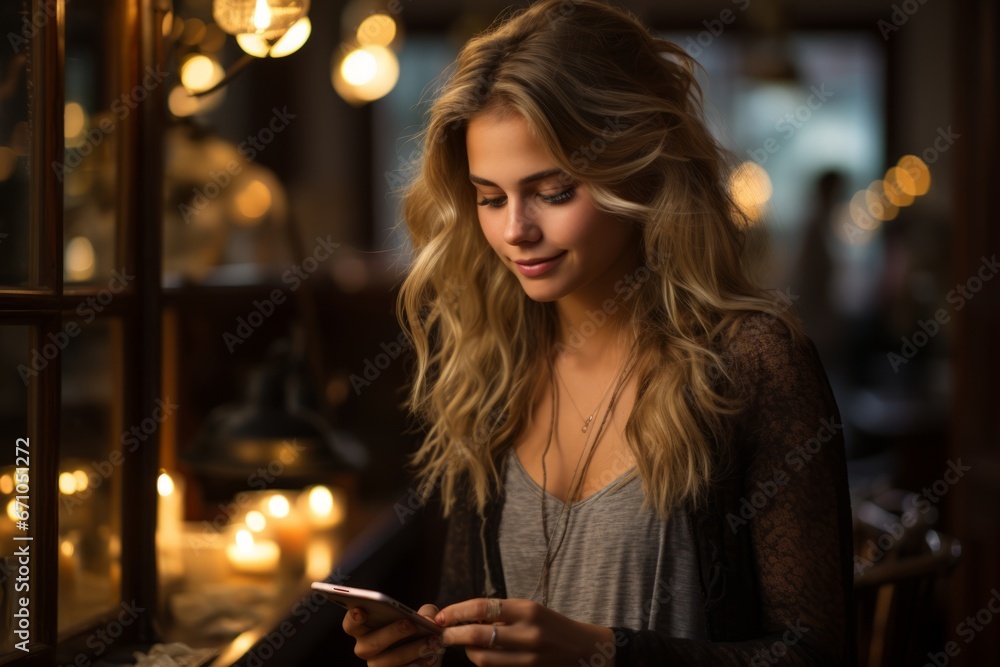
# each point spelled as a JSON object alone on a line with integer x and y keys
{"x": 321, "y": 501}
{"x": 278, "y": 506}
{"x": 164, "y": 484}
{"x": 244, "y": 540}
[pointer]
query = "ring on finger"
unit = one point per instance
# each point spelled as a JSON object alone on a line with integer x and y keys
{"x": 494, "y": 607}
{"x": 493, "y": 637}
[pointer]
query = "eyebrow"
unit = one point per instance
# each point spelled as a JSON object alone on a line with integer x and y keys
{"x": 527, "y": 179}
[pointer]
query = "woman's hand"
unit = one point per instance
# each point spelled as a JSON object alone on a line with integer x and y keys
{"x": 527, "y": 634}
{"x": 372, "y": 644}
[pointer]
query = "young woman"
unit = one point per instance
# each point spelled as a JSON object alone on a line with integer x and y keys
{"x": 636, "y": 446}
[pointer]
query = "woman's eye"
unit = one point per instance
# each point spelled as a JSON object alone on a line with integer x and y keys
{"x": 495, "y": 201}
{"x": 563, "y": 196}
{"x": 558, "y": 198}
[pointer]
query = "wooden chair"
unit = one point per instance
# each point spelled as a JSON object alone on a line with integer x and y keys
{"x": 894, "y": 587}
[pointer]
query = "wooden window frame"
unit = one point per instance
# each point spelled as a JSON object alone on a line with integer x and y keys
{"x": 138, "y": 209}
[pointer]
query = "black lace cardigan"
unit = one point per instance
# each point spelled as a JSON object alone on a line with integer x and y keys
{"x": 774, "y": 541}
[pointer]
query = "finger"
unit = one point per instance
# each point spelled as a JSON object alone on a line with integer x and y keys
{"x": 376, "y": 641}
{"x": 429, "y": 611}
{"x": 516, "y": 637}
{"x": 482, "y": 657}
{"x": 422, "y": 651}
{"x": 475, "y": 611}
{"x": 354, "y": 623}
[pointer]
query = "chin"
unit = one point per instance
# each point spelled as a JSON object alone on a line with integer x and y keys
{"x": 543, "y": 293}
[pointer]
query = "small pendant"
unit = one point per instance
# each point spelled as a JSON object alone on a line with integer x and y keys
{"x": 587, "y": 423}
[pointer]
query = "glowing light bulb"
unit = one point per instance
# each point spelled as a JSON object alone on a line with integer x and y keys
{"x": 359, "y": 67}
{"x": 292, "y": 40}
{"x": 261, "y": 16}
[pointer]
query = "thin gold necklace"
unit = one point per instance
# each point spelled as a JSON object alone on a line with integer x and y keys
{"x": 586, "y": 420}
{"x": 543, "y": 579}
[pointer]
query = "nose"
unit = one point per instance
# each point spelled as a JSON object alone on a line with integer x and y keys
{"x": 521, "y": 225}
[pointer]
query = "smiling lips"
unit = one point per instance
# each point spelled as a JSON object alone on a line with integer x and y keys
{"x": 536, "y": 267}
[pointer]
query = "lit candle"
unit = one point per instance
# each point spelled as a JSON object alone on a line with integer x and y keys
{"x": 319, "y": 558}
{"x": 292, "y": 535}
{"x": 170, "y": 510}
{"x": 69, "y": 568}
{"x": 324, "y": 507}
{"x": 252, "y": 556}
{"x": 291, "y": 532}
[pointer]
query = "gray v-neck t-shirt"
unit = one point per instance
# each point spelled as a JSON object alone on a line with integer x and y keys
{"x": 618, "y": 565}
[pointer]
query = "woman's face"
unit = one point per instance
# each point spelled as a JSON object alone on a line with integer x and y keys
{"x": 530, "y": 210}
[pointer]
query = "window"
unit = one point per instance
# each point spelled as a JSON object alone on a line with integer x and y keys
{"x": 79, "y": 322}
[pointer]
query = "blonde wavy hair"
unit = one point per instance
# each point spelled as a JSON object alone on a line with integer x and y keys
{"x": 619, "y": 110}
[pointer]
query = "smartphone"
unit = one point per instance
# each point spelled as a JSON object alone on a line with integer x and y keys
{"x": 379, "y": 608}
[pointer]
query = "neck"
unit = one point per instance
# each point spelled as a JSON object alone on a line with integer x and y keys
{"x": 594, "y": 321}
{"x": 609, "y": 343}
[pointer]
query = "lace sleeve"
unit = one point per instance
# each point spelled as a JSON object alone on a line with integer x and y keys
{"x": 460, "y": 558}
{"x": 460, "y": 563}
{"x": 791, "y": 447}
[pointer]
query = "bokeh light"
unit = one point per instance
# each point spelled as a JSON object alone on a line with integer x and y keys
{"x": 378, "y": 29}
{"x": 200, "y": 73}
{"x": 79, "y": 258}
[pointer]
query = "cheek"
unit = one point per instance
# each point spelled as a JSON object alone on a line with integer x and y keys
{"x": 490, "y": 230}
